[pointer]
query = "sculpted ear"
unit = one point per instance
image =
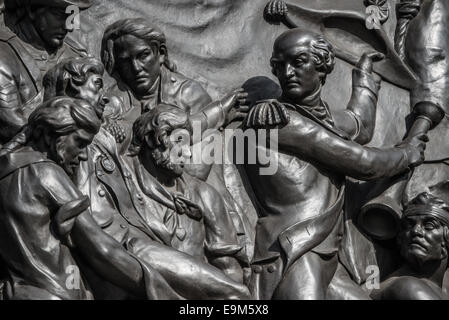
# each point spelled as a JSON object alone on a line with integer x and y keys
{"x": 445, "y": 245}
{"x": 162, "y": 54}
{"x": 46, "y": 136}
{"x": 72, "y": 89}
{"x": 446, "y": 235}
{"x": 149, "y": 143}
{"x": 31, "y": 13}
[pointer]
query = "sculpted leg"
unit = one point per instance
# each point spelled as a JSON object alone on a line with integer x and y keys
{"x": 190, "y": 277}
{"x": 307, "y": 279}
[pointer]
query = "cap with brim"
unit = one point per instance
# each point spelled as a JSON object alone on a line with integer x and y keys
{"x": 14, "y": 4}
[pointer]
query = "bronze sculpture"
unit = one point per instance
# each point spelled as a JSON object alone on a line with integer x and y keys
{"x": 32, "y": 41}
{"x": 134, "y": 220}
{"x": 118, "y": 208}
{"x": 193, "y": 211}
{"x": 135, "y": 54}
{"x": 43, "y": 202}
{"x": 423, "y": 245}
{"x": 300, "y": 227}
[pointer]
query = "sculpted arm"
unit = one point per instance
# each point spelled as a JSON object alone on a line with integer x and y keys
{"x": 104, "y": 253}
{"x": 14, "y": 110}
{"x": 74, "y": 223}
{"x": 222, "y": 246}
{"x": 12, "y": 114}
{"x": 309, "y": 141}
{"x": 359, "y": 118}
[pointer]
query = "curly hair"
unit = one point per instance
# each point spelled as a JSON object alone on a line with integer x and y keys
{"x": 60, "y": 116}
{"x": 138, "y": 28}
{"x": 158, "y": 124}
{"x": 63, "y": 115}
{"x": 321, "y": 50}
{"x": 62, "y": 78}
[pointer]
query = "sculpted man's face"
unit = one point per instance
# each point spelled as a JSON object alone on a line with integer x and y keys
{"x": 138, "y": 63}
{"x": 50, "y": 23}
{"x": 173, "y": 159}
{"x": 92, "y": 91}
{"x": 69, "y": 150}
{"x": 422, "y": 239}
{"x": 294, "y": 66}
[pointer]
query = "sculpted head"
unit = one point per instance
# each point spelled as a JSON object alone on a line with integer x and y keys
{"x": 49, "y": 18}
{"x": 301, "y": 61}
{"x": 424, "y": 234}
{"x": 164, "y": 133}
{"x": 80, "y": 78}
{"x": 134, "y": 51}
{"x": 62, "y": 128}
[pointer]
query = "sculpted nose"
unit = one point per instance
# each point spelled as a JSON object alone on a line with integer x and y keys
{"x": 289, "y": 70}
{"x": 136, "y": 65}
{"x": 83, "y": 155}
{"x": 187, "y": 152}
{"x": 105, "y": 100}
{"x": 417, "y": 230}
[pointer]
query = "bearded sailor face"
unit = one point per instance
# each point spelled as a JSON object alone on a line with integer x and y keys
{"x": 176, "y": 154}
{"x": 69, "y": 150}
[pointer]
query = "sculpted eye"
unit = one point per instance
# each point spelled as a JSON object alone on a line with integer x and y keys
{"x": 430, "y": 225}
{"x": 299, "y": 62}
{"x": 144, "y": 54}
{"x": 99, "y": 83}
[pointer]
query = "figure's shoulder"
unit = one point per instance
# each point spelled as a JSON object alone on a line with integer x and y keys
{"x": 8, "y": 57}
{"x": 190, "y": 91}
{"x": 6, "y": 34}
{"x": 77, "y": 48}
{"x": 48, "y": 172}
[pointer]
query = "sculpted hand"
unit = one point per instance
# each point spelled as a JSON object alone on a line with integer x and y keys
{"x": 415, "y": 147}
{"x": 366, "y": 61}
{"x": 235, "y": 105}
{"x": 276, "y": 10}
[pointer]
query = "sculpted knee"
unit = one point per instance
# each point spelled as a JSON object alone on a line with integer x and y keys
{"x": 238, "y": 292}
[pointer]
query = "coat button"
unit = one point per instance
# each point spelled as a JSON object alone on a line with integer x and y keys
{"x": 108, "y": 165}
{"x": 257, "y": 269}
{"x": 271, "y": 269}
{"x": 122, "y": 226}
{"x": 102, "y": 193}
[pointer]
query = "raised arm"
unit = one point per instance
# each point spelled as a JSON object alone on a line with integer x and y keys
{"x": 359, "y": 118}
